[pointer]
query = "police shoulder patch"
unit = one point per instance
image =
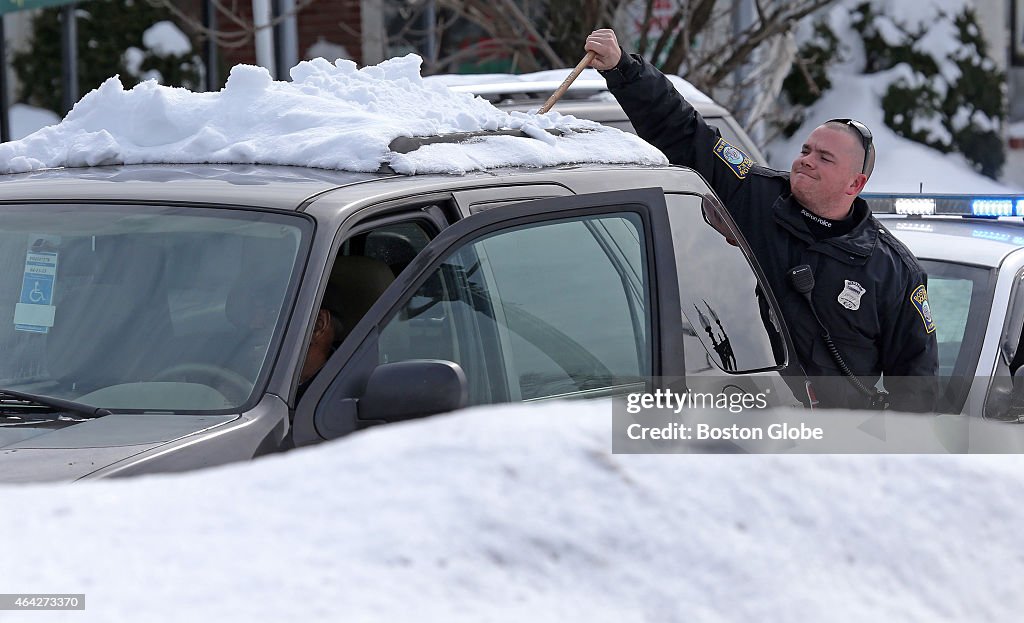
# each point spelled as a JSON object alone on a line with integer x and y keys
{"x": 737, "y": 161}
{"x": 919, "y": 297}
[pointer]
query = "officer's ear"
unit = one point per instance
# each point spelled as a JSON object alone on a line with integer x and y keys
{"x": 857, "y": 185}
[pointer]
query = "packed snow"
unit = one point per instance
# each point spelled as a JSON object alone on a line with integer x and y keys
{"x": 333, "y": 116}
{"x": 522, "y": 513}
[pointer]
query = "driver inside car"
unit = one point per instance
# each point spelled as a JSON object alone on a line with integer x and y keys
{"x": 326, "y": 329}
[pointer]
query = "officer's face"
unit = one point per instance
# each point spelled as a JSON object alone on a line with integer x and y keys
{"x": 826, "y": 176}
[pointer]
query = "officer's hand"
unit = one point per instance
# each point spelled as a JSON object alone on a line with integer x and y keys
{"x": 604, "y": 43}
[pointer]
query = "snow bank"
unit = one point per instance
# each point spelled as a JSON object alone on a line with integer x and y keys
{"x": 521, "y": 513}
{"x": 332, "y": 116}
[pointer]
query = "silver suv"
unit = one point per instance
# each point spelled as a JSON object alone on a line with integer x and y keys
{"x": 159, "y": 316}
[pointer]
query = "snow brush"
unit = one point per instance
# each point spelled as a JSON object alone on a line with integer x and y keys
{"x": 562, "y": 88}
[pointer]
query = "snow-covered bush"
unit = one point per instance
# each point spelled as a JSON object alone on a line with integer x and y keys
{"x": 943, "y": 90}
{"x": 131, "y": 38}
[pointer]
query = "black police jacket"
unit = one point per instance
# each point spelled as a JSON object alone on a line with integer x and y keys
{"x": 870, "y": 292}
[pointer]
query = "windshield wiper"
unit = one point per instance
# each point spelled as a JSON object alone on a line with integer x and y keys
{"x": 24, "y": 399}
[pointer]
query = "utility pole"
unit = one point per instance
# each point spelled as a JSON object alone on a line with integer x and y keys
{"x": 430, "y": 26}
{"x": 210, "y": 46}
{"x": 287, "y": 38}
{"x": 5, "y": 122}
{"x": 69, "y": 57}
{"x": 264, "y": 35}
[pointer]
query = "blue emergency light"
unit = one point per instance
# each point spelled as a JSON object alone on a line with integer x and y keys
{"x": 992, "y": 207}
{"x": 968, "y": 206}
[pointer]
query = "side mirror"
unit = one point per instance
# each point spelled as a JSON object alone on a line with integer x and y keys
{"x": 413, "y": 389}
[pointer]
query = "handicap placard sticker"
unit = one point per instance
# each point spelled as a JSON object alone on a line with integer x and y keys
{"x": 35, "y": 311}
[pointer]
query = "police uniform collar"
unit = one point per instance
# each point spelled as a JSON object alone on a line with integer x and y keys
{"x": 864, "y": 235}
{"x": 854, "y": 247}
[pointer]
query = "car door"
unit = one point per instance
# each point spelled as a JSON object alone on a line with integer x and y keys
{"x": 563, "y": 297}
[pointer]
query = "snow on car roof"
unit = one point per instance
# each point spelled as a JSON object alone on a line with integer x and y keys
{"x": 332, "y": 116}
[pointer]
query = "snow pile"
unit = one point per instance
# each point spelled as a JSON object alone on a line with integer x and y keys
{"x": 521, "y": 513}
{"x": 328, "y": 116}
{"x": 926, "y": 29}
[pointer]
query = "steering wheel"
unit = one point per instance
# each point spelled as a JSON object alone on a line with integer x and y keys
{"x": 234, "y": 386}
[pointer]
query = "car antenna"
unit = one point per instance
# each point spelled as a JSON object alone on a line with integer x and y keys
{"x": 562, "y": 88}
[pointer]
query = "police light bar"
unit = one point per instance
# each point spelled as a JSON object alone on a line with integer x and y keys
{"x": 914, "y": 206}
{"x": 968, "y": 206}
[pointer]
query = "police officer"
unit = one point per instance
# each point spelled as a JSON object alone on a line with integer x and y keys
{"x": 869, "y": 293}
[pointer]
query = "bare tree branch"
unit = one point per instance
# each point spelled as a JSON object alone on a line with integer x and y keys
{"x": 227, "y": 38}
{"x": 645, "y": 27}
{"x": 698, "y": 21}
{"x": 778, "y": 23}
{"x": 524, "y": 22}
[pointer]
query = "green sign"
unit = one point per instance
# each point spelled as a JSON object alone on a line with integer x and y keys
{"x": 10, "y": 6}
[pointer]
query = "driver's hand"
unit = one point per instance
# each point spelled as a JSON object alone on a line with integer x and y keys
{"x": 604, "y": 43}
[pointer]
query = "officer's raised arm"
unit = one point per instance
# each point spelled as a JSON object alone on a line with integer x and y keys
{"x": 663, "y": 118}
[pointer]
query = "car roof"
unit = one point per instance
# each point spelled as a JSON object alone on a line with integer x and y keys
{"x": 267, "y": 186}
{"x": 261, "y": 186}
{"x": 978, "y": 241}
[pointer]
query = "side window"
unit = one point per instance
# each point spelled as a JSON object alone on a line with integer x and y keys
{"x": 366, "y": 265}
{"x": 394, "y": 244}
{"x": 535, "y": 311}
{"x": 723, "y": 305}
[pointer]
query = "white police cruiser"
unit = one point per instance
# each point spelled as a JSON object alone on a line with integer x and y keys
{"x": 973, "y": 250}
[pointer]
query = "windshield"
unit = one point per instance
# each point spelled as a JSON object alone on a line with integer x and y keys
{"x": 143, "y": 307}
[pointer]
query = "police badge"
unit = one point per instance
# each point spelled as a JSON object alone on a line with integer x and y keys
{"x": 850, "y": 296}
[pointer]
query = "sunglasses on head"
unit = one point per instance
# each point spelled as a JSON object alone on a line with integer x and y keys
{"x": 865, "y": 137}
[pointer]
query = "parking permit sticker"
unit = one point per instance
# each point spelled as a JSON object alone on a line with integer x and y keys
{"x": 35, "y": 311}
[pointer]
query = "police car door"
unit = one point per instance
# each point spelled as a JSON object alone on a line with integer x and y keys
{"x": 564, "y": 297}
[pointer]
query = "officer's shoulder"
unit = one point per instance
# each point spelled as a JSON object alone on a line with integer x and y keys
{"x": 768, "y": 175}
{"x": 763, "y": 171}
{"x": 895, "y": 246}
